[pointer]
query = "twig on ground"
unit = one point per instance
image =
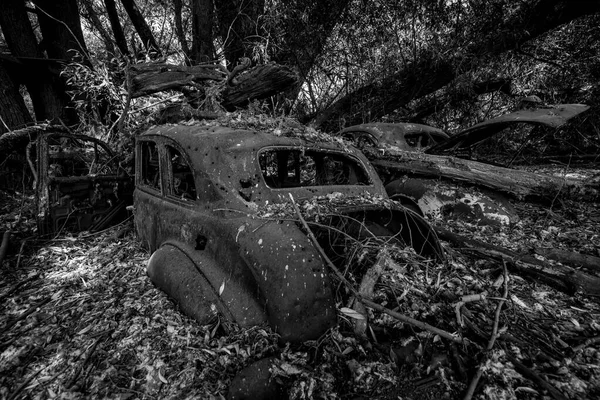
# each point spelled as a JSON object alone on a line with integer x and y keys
{"x": 465, "y": 300}
{"x": 27, "y": 381}
{"x": 31, "y": 310}
{"x": 475, "y": 381}
{"x": 585, "y": 344}
{"x": 535, "y": 378}
{"x": 369, "y": 303}
{"x": 81, "y": 367}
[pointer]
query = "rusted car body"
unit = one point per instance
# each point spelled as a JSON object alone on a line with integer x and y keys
{"x": 553, "y": 117}
{"x": 79, "y": 184}
{"x": 200, "y": 200}
{"x": 437, "y": 198}
{"x": 405, "y": 136}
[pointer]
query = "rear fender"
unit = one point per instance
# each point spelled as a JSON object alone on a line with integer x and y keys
{"x": 201, "y": 288}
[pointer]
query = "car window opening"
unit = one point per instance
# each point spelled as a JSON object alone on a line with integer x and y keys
{"x": 285, "y": 168}
{"x": 69, "y": 157}
{"x": 182, "y": 177}
{"x": 150, "y": 175}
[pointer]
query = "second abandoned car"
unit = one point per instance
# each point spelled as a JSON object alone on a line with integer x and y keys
{"x": 201, "y": 206}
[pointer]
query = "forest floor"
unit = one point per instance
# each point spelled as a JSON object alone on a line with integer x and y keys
{"x": 80, "y": 319}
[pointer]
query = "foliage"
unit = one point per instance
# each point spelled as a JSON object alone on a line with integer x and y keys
{"x": 97, "y": 94}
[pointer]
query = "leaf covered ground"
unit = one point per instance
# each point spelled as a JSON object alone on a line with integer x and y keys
{"x": 80, "y": 319}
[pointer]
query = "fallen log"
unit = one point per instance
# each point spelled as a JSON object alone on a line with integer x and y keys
{"x": 239, "y": 89}
{"x": 560, "y": 277}
{"x": 393, "y": 164}
{"x": 149, "y": 78}
{"x": 591, "y": 263}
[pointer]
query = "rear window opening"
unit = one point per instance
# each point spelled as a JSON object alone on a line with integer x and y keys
{"x": 289, "y": 168}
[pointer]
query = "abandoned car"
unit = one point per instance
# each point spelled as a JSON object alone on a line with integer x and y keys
{"x": 202, "y": 202}
{"x": 79, "y": 184}
{"x": 405, "y": 136}
{"x": 443, "y": 197}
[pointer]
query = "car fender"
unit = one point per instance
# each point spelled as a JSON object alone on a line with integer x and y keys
{"x": 292, "y": 277}
{"x": 201, "y": 288}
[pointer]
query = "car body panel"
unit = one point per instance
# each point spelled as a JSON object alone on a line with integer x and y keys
{"x": 80, "y": 186}
{"x": 554, "y": 117}
{"x": 405, "y": 136}
{"x": 222, "y": 247}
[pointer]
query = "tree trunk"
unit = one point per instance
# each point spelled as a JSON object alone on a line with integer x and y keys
{"x": 115, "y": 24}
{"x": 61, "y": 29}
{"x": 13, "y": 112}
{"x": 203, "y": 49}
{"x": 560, "y": 277}
{"x": 148, "y": 78}
{"x": 305, "y": 35}
{"x": 258, "y": 83}
{"x": 432, "y": 72}
{"x": 141, "y": 27}
{"x": 178, "y": 8}
{"x": 392, "y": 165}
{"x": 93, "y": 19}
{"x": 43, "y": 84}
{"x": 239, "y": 26}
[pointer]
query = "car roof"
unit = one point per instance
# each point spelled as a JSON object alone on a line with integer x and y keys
{"x": 379, "y": 129}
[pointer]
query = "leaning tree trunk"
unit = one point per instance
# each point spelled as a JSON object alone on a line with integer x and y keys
{"x": 393, "y": 164}
{"x": 115, "y": 25}
{"x": 141, "y": 26}
{"x": 431, "y": 71}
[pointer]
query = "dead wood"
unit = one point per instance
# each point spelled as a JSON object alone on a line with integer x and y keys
{"x": 520, "y": 184}
{"x": 535, "y": 378}
{"x": 366, "y": 288}
{"x": 260, "y": 82}
{"x": 240, "y": 88}
{"x": 16, "y": 141}
{"x": 494, "y": 336}
{"x": 148, "y": 78}
{"x": 4, "y": 246}
{"x": 560, "y": 277}
{"x": 591, "y": 263}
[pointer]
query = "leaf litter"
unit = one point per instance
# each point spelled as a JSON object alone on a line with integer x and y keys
{"x": 81, "y": 319}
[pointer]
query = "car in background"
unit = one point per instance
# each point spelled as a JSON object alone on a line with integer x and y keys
{"x": 445, "y": 198}
{"x": 404, "y": 136}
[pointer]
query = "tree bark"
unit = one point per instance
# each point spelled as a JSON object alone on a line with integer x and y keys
{"x": 13, "y": 112}
{"x": 61, "y": 29}
{"x": 43, "y": 84}
{"x": 239, "y": 27}
{"x": 148, "y": 78}
{"x": 520, "y": 184}
{"x": 178, "y": 8}
{"x": 586, "y": 261}
{"x": 203, "y": 49}
{"x": 431, "y": 72}
{"x": 258, "y": 83}
{"x": 115, "y": 24}
{"x": 141, "y": 26}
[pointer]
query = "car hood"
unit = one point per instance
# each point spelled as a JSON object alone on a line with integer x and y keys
{"x": 554, "y": 117}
